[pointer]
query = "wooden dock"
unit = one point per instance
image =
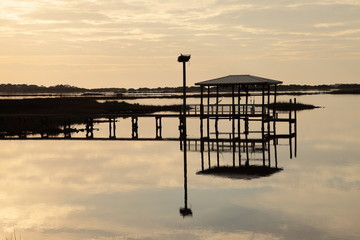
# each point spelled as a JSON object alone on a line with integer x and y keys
{"x": 19, "y": 126}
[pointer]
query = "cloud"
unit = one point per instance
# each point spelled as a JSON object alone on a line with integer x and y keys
{"x": 250, "y": 30}
{"x": 65, "y": 15}
{"x": 343, "y": 32}
{"x": 329, "y": 25}
{"x": 41, "y": 216}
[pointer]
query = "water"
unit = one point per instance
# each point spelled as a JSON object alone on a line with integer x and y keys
{"x": 134, "y": 190}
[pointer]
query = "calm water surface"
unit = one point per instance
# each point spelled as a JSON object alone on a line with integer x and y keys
{"x": 133, "y": 190}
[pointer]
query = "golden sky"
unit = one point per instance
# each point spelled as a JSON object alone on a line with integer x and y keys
{"x": 135, "y": 43}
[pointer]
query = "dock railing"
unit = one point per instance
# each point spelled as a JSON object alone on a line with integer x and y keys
{"x": 226, "y": 109}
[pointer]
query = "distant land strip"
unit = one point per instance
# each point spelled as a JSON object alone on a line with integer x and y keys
{"x": 293, "y": 89}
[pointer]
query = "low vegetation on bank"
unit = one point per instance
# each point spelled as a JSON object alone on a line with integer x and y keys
{"x": 92, "y": 106}
{"x": 346, "y": 91}
{"x": 286, "y": 106}
{"x": 50, "y": 115}
{"x": 77, "y": 106}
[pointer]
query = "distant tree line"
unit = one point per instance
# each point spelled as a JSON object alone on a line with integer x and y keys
{"x": 24, "y": 88}
{"x": 323, "y": 87}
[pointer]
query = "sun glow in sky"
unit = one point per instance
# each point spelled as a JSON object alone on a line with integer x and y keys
{"x": 135, "y": 43}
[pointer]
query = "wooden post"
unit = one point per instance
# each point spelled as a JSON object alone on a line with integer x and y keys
{"x": 23, "y": 133}
{"x": 268, "y": 112}
{"x": 112, "y": 127}
{"x": 268, "y": 100}
{"x": 67, "y": 128}
{"x": 202, "y": 156}
{"x": 269, "y": 153}
{"x": 275, "y": 152}
{"x": 158, "y": 127}
{"x": 247, "y": 163}
{"x": 208, "y": 123}
{"x": 233, "y": 122}
{"x": 246, "y": 110}
{"x": 263, "y": 101}
{"x": 208, "y": 112}
{"x": 246, "y": 99}
{"x": 268, "y": 123}
{"x": 239, "y": 134}
{"x": 217, "y": 126}
{"x": 181, "y": 130}
{"x": 290, "y": 129}
{"x": 275, "y": 97}
{"x": 134, "y": 123}
{"x": 246, "y": 125}
{"x": 274, "y": 113}
{"x": 209, "y": 155}
{"x": 44, "y": 127}
{"x": 295, "y": 128}
{"x": 202, "y": 102}
{"x": 202, "y": 126}
{"x": 262, "y": 121}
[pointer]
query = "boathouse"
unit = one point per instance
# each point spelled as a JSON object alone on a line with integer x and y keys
{"x": 238, "y": 86}
{"x": 236, "y": 111}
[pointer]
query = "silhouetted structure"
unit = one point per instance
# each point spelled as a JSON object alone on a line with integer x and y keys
{"x": 256, "y": 166}
{"x": 240, "y": 113}
{"x": 240, "y": 126}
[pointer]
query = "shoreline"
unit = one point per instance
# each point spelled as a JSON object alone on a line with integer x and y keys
{"x": 157, "y": 95}
{"x": 91, "y": 105}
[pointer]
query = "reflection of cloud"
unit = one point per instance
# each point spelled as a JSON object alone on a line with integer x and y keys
{"x": 253, "y": 223}
{"x": 324, "y": 146}
{"x": 111, "y": 169}
{"x": 343, "y": 184}
{"x": 242, "y": 235}
{"x": 39, "y": 216}
{"x": 133, "y": 190}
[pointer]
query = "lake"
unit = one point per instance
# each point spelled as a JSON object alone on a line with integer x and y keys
{"x": 133, "y": 190}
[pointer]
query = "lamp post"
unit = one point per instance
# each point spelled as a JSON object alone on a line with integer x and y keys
{"x": 185, "y": 211}
{"x": 184, "y": 59}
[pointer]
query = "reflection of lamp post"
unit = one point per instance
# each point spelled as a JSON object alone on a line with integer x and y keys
{"x": 185, "y": 211}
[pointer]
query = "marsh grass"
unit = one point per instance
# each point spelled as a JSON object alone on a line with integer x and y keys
{"x": 13, "y": 236}
{"x": 346, "y": 91}
{"x": 286, "y": 106}
{"x": 77, "y": 106}
{"x": 49, "y": 115}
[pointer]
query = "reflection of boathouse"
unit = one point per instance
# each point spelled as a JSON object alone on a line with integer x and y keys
{"x": 242, "y": 123}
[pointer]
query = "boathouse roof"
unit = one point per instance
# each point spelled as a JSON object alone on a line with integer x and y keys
{"x": 239, "y": 80}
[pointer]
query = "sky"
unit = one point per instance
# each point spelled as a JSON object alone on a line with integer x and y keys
{"x": 135, "y": 43}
